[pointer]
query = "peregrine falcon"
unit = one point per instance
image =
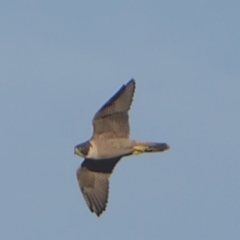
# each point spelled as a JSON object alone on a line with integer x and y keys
{"x": 109, "y": 143}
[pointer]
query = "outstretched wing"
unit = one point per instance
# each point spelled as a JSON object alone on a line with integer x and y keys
{"x": 93, "y": 178}
{"x": 112, "y": 118}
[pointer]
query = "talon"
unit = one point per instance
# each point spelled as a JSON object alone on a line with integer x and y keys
{"x": 139, "y": 149}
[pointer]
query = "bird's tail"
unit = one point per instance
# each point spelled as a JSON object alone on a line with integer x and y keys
{"x": 140, "y": 148}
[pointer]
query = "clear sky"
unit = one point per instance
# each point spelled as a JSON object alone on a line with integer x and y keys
{"x": 61, "y": 60}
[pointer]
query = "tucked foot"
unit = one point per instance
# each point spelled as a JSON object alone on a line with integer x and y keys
{"x": 149, "y": 147}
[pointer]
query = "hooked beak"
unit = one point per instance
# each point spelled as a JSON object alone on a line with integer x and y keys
{"x": 77, "y": 152}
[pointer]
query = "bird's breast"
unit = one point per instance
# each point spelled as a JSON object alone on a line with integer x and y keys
{"x": 109, "y": 148}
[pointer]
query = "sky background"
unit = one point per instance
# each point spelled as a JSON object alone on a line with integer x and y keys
{"x": 61, "y": 60}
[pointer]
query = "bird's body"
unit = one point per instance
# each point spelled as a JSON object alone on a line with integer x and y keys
{"x": 105, "y": 148}
{"x": 109, "y": 143}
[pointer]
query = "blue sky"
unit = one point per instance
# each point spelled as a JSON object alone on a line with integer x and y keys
{"x": 61, "y": 60}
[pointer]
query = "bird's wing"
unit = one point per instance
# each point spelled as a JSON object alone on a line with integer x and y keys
{"x": 112, "y": 118}
{"x": 93, "y": 181}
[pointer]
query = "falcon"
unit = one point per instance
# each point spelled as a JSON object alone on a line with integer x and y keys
{"x": 109, "y": 143}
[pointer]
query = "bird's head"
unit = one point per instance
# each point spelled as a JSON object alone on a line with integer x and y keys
{"x": 82, "y": 149}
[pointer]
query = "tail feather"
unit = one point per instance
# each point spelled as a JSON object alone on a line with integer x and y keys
{"x": 149, "y": 147}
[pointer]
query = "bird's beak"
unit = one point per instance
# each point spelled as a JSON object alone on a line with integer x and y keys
{"x": 77, "y": 151}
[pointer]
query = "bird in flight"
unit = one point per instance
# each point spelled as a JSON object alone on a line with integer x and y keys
{"x": 109, "y": 143}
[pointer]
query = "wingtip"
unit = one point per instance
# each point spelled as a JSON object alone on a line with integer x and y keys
{"x": 99, "y": 213}
{"x": 129, "y": 83}
{"x": 132, "y": 80}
